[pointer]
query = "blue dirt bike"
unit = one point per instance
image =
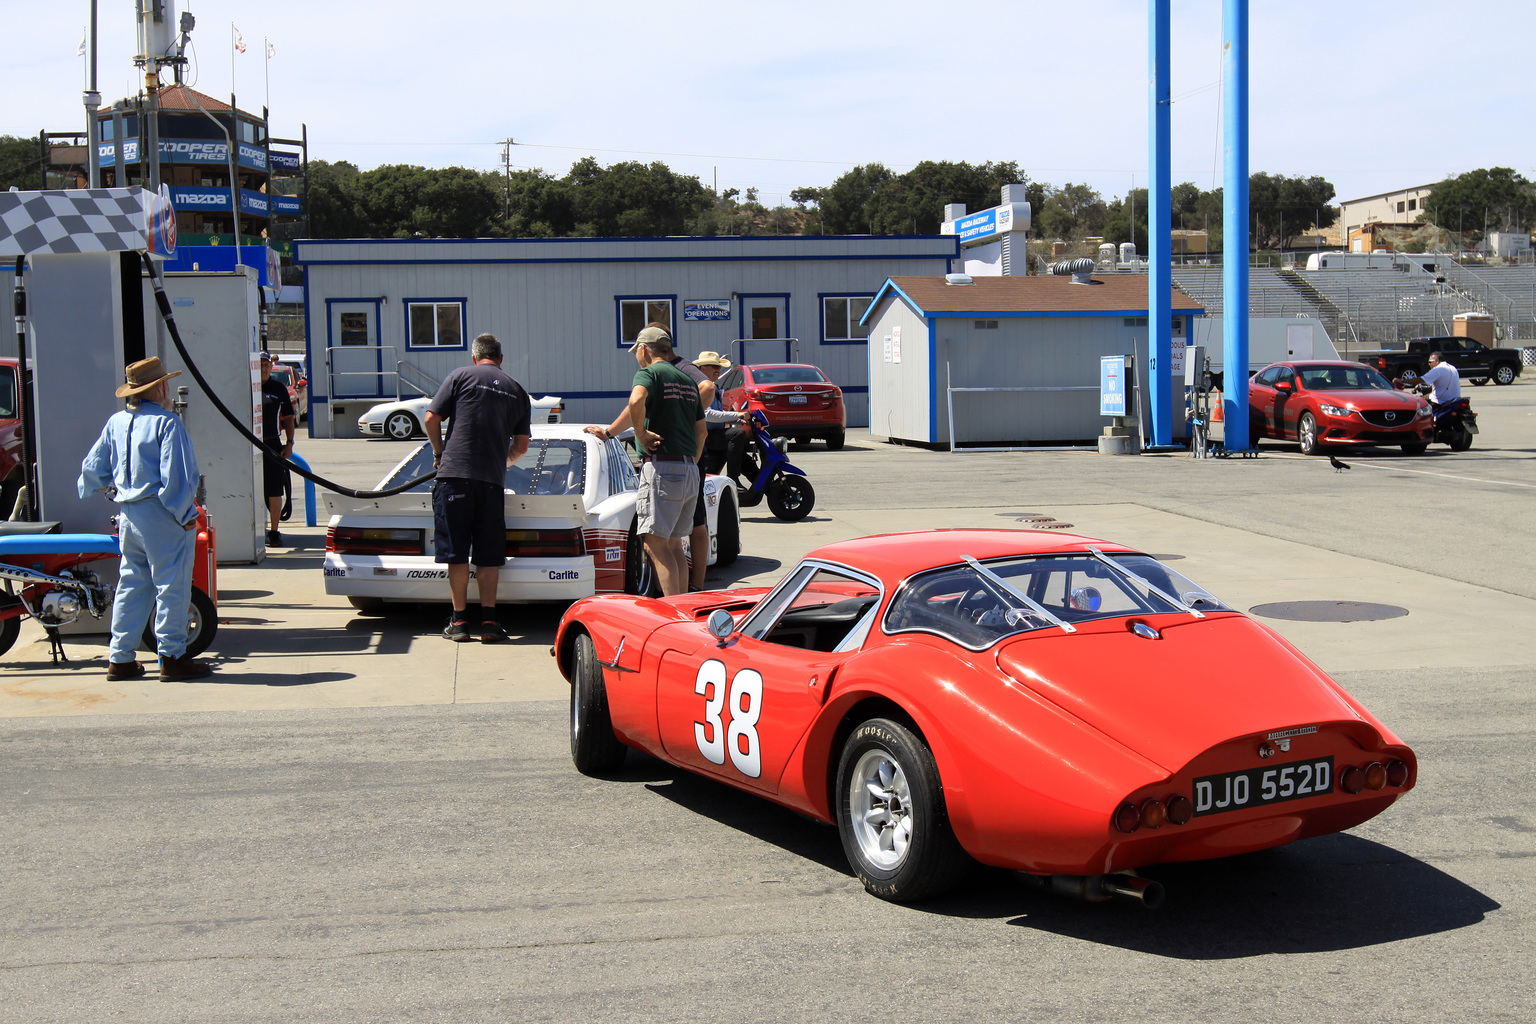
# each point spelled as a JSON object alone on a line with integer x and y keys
{"x": 790, "y": 495}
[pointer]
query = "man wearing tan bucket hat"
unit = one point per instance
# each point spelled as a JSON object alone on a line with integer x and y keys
{"x": 144, "y": 460}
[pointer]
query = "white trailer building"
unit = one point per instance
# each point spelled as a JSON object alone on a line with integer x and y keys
{"x": 387, "y": 317}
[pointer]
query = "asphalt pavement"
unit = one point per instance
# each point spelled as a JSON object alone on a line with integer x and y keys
{"x": 356, "y": 820}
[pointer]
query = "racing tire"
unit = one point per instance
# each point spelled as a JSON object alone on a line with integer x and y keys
{"x": 836, "y": 440}
{"x": 640, "y": 579}
{"x": 367, "y": 605}
{"x": 1416, "y": 448}
{"x": 1306, "y": 435}
{"x": 791, "y": 497}
{"x": 595, "y": 750}
{"x": 401, "y": 426}
{"x": 891, "y": 815}
{"x": 1462, "y": 441}
{"x": 202, "y": 624}
{"x": 1504, "y": 373}
{"x": 727, "y": 531}
{"x": 10, "y": 628}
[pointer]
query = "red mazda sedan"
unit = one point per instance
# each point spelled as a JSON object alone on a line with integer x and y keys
{"x": 798, "y": 399}
{"x": 1327, "y": 403}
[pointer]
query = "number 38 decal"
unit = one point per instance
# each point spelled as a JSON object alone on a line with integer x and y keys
{"x": 739, "y": 739}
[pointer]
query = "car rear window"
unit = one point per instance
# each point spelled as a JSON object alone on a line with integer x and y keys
{"x": 962, "y": 604}
{"x": 789, "y": 375}
{"x": 552, "y": 466}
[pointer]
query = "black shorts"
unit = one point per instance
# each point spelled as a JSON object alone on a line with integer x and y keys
{"x": 469, "y": 522}
{"x": 699, "y": 515}
{"x": 274, "y": 477}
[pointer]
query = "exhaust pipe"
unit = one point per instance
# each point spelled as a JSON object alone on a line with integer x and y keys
{"x": 1102, "y": 888}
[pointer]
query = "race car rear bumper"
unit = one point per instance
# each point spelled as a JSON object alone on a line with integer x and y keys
{"x": 418, "y": 579}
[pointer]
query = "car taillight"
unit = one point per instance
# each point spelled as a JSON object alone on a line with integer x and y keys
{"x": 1397, "y": 772}
{"x": 373, "y": 540}
{"x": 1375, "y": 775}
{"x": 1180, "y": 810}
{"x": 545, "y": 543}
{"x": 1153, "y": 814}
{"x": 1127, "y": 818}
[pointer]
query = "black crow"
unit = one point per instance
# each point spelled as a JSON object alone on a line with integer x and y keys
{"x": 1338, "y": 467}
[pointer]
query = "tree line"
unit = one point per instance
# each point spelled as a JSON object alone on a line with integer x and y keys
{"x": 632, "y": 199}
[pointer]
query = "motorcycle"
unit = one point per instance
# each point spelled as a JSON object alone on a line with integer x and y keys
{"x": 48, "y": 576}
{"x": 790, "y": 495}
{"x": 1455, "y": 422}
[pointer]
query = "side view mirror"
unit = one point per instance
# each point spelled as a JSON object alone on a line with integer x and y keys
{"x": 1282, "y": 385}
{"x": 721, "y": 625}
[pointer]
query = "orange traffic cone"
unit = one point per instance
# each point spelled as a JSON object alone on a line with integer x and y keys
{"x": 1218, "y": 408}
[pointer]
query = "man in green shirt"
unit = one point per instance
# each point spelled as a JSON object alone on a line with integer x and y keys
{"x": 668, "y": 418}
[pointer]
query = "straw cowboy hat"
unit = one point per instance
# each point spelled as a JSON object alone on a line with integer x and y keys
{"x": 143, "y": 375}
{"x": 707, "y": 358}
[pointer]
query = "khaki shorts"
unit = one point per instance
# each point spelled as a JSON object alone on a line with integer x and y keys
{"x": 668, "y": 491}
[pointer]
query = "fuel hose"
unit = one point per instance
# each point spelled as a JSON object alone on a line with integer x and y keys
{"x": 170, "y": 322}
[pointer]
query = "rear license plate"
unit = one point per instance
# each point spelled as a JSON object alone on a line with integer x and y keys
{"x": 1255, "y": 787}
{"x": 796, "y": 399}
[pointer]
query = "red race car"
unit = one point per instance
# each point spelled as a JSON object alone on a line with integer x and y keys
{"x": 1058, "y": 705}
{"x": 801, "y": 403}
{"x": 1323, "y": 403}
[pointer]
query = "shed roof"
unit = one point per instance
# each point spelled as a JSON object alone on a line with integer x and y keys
{"x": 1117, "y": 294}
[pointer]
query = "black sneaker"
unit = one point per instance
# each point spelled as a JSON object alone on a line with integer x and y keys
{"x": 457, "y": 630}
{"x": 491, "y": 632}
{"x": 274, "y": 539}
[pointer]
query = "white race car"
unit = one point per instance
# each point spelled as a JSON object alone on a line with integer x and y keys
{"x": 570, "y": 528}
{"x": 401, "y": 421}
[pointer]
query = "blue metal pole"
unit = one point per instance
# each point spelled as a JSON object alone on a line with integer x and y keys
{"x": 1234, "y": 226}
{"x": 309, "y": 490}
{"x": 1159, "y": 230}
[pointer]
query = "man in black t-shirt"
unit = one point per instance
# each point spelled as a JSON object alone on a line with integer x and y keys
{"x": 489, "y": 432}
{"x": 276, "y": 417}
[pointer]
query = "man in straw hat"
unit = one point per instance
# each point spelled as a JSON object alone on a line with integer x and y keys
{"x": 144, "y": 460}
{"x": 726, "y": 441}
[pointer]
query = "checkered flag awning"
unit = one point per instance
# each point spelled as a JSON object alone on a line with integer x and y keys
{"x": 76, "y": 220}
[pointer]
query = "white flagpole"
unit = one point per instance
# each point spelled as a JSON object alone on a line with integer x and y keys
{"x": 266, "y": 65}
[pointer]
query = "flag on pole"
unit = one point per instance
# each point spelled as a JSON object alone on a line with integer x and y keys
{"x": 271, "y": 50}
{"x": 81, "y": 51}
{"x": 239, "y": 39}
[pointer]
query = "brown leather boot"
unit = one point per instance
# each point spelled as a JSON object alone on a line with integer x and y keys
{"x": 118, "y": 670}
{"x": 179, "y": 670}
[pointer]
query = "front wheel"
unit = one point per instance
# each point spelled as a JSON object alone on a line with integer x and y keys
{"x": 202, "y": 623}
{"x": 891, "y": 815}
{"x": 1504, "y": 373}
{"x": 10, "y": 628}
{"x": 595, "y": 750}
{"x": 1306, "y": 433}
{"x": 401, "y": 426}
{"x": 791, "y": 497}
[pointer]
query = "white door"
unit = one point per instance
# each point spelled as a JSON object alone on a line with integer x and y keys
{"x": 354, "y": 358}
{"x": 764, "y": 329}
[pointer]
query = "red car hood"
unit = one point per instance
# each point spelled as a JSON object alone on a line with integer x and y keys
{"x": 1367, "y": 398}
{"x": 1173, "y": 698}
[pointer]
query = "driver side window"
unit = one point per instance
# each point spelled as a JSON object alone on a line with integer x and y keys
{"x": 818, "y": 610}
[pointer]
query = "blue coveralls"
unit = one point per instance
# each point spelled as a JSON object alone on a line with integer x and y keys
{"x": 147, "y": 455}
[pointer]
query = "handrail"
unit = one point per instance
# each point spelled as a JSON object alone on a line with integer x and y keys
{"x": 432, "y": 381}
{"x": 331, "y": 373}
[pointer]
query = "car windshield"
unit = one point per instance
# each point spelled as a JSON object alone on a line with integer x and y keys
{"x": 788, "y": 375}
{"x": 282, "y": 376}
{"x": 1342, "y": 378}
{"x": 552, "y": 466}
{"x": 962, "y": 603}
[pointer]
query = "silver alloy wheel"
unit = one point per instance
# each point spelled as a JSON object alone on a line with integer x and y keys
{"x": 880, "y": 809}
{"x": 401, "y": 426}
{"x": 1307, "y": 434}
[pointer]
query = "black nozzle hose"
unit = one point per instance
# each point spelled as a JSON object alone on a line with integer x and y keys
{"x": 170, "y": 322}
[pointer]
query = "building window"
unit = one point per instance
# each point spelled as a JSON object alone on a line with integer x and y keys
{"x": 434, "y": 323}
{"x": 840, "y": 315}
{"x": 1413, "y": 204}
{"x": 986, "y": 325}
{"x": 636, "y": 311}
{"x": 1399, "y": 207}
{"x": 354, "y": 328}
{"x": 1135, "y": 321}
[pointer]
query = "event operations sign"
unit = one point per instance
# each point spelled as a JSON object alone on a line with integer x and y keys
{"x": 706, "y": 309}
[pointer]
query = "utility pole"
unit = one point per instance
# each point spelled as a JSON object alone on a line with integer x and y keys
{"x": 506, "y": 164}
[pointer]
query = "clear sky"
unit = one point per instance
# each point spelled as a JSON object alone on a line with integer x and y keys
{"x": 1373, "y": 95}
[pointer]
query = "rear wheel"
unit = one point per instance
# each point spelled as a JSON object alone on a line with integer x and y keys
{"x": 639, "y": 572}
{"x": 401, "y": 426}
{"x": 1462, "y": 441}
{"x": 1306, "y": 433}
{"x": 791, "y": 497}
{"x": 595, "y": 750}
{"x": 836, "y": 439}
{"x": 202, "y": 624}
{"x": 1504, "y": 373}
{"x": 10, "y": 628}
{"x": 727, "y": 530}
{"x": 891, "y": 815}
